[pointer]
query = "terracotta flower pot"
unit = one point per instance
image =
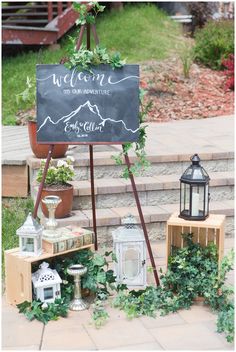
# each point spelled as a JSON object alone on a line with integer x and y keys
{"x": 41, "y": 150}
{"x": 65, "y": 192}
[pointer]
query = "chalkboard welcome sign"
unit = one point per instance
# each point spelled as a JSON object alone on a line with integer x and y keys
{"x": 101, "y": 105}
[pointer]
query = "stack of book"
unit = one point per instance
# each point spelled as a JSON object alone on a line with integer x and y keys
{"x": 70, "y": 237}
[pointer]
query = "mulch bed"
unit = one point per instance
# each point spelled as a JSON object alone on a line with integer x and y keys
{"x": 175, "y": 97}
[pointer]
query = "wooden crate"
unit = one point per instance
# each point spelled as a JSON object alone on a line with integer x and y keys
{"x": 18, "y": 273}
{"x": 14, "y": 180}
{"x": 209, "y": 230}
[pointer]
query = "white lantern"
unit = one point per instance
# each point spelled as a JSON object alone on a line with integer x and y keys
{"x": 46, "y": 283}
{"x": 130, "y": 249}
{"x": 30, "y": 237}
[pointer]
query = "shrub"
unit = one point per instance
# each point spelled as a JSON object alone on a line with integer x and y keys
{"x": 229, "y": 64}
{"x": 201, "y": 12}
{"x": 214, "y": 42}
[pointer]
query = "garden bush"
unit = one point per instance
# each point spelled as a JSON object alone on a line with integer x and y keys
{"x": 214, "y": 42}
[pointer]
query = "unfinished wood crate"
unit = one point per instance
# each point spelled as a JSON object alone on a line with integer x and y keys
{"x": 209, "y": 230}
{"x": 18, "y": 271}
{"x": 14, "y": 180}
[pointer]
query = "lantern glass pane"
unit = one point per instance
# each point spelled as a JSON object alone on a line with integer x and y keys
{"x": 197, "y": 174}
{"x": 131, "y": 263}
{"x": 38, "y": 243}
{"x": 27, "y": 244}
{"x": 206, "y": 199}
{"x": 186, "y": 197}
{"x": 48, "y": 292}
{"x": 195, "y": 201}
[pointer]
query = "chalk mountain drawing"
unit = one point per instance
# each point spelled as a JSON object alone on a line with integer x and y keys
{"x": 92, "y": 108}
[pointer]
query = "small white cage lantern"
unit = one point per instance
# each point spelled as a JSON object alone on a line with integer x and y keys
{"x": 130, "y": 250}
{"x": 46, "y": 283}
{"x": 30, "y": 237}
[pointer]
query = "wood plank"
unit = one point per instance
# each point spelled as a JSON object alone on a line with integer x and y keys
{"x": 14, "y": 181}
{"x": 24, "y": 21}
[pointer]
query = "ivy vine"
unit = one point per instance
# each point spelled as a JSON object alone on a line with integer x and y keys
{"x": 85, "y": 59}
{"x": 192, "y": 272}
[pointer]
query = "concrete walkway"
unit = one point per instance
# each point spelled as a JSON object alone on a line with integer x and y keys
{"x": 193, "y": 329}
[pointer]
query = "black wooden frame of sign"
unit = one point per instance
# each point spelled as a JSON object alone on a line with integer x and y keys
{"x": 127, "y": 161}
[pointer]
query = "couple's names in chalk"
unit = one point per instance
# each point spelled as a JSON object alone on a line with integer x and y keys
{"x": 83, "y": 127}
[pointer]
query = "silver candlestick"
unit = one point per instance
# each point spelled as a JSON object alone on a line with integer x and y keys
{"x": 51, "y": 203}
{"x": 77, "y": 271}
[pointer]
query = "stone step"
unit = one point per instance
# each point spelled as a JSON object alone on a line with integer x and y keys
{"x": 152, "y": 191}
{"x": 155, "y": 218}
{"x": 165, "y": 164}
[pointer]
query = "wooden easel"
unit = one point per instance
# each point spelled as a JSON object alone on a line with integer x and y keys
{"x": 92, "y": 27}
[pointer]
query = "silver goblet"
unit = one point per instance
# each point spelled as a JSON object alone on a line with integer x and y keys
{"x": 51, "y": 203}
{"x": 77, "y": 270}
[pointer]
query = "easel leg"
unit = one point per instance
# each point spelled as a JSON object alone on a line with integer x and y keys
{"x": 142, "y": 220}
{"x": 93, "y": 196}
{"x": 43, "y": 180}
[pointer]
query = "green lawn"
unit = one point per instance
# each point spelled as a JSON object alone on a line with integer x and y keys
{"x": 139, "y": 33}
{"x": 14, "y": 213}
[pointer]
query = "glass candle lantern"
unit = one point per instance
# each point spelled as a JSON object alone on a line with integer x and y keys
{"x": 194, "y": 192}
{"x": 30, "y": 237}
{"x": 130, "y": 250}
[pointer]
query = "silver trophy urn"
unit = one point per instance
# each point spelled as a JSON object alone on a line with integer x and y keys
{"x": 51, "y": 203}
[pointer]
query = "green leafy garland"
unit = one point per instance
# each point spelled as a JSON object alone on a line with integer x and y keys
{"x": 192, "y": 272}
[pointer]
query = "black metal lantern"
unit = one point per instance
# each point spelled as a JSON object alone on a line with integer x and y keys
{"x": 194, "y": 192}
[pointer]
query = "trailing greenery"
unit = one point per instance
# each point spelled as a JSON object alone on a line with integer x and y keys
{"x": 44, "y": 312}
{"x": 192, "y": 272}
{"x": 84, "y": 15}
{"x": 83, "y": 58}
{"x": 98, "y": 280}
{"x": 99, "y": 315}
{"x": 214, "y": 42}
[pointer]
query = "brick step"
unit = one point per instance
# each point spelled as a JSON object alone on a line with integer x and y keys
{"x": 152, "y": 190}
{"x": 155, "y": 218}
{"x": 105, "y": 167}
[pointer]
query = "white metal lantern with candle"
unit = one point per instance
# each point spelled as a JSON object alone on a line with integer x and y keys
{"x": 194, "y": 192}
{"x": 130, "y": 249}
{"x": 30, "y": 237}
{"x": 46, "y": 283}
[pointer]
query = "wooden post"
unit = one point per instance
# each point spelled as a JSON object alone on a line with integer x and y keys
{"x": 50, "y": 11}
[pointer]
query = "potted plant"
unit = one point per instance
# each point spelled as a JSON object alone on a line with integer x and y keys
{"x": 39, "y": 150}
{"x": 56, "y": 183}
